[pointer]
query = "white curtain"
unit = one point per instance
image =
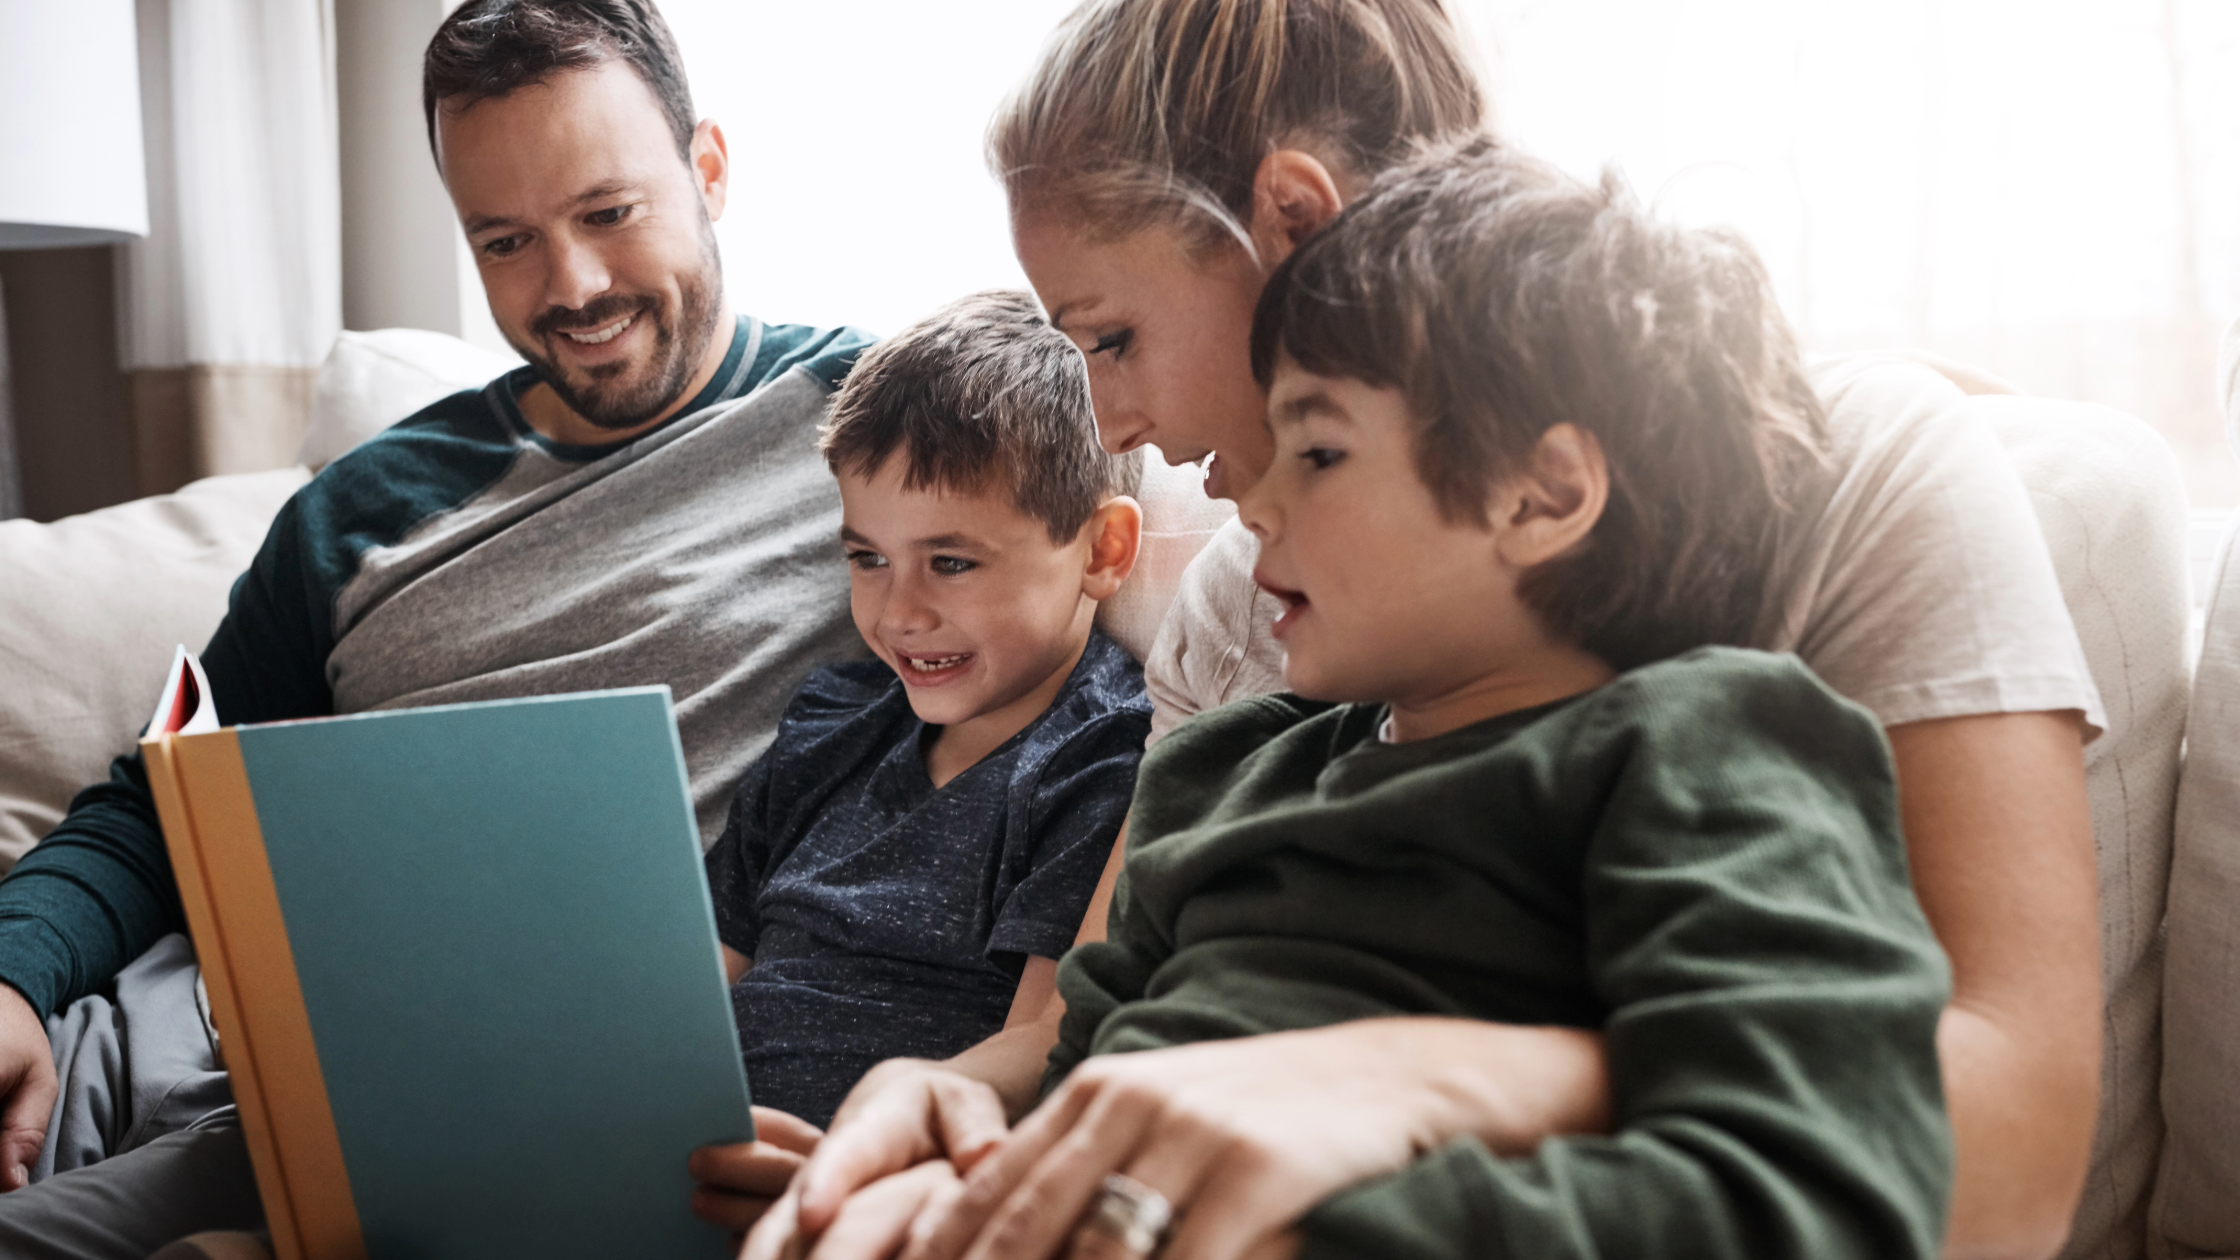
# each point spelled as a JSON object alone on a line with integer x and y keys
{"x": 236, "y": 295}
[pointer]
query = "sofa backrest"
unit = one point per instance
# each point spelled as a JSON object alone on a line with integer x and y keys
{"x": 2110, "y": 500}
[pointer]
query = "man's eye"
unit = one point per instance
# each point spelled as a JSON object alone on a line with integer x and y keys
{"x": 1114, "y": 343}
{"x": 501, "y": 246}
{"x": 609, "y": 216}
{"x": 950, "y": 566}
{"x": 866, "y": 559}
{"x": 1321, "y": 457}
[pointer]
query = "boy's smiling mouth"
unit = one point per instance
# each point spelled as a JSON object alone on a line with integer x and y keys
{"x": 919, "y": 669}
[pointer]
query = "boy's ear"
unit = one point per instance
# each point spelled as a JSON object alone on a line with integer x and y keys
{"x": 1552, "y": 504}
{"x": 1293, "y": 196}
{"x": 1115, "y": 533}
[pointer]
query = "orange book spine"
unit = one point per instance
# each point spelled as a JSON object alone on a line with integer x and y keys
{"x": 233, "y": 910}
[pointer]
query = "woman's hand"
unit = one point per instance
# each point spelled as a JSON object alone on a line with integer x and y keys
{"x": 1244, "y": 1136}
{"x": 738, "y": 1182}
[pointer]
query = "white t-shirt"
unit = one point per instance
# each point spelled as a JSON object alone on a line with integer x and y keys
{"x": 1923, "y": 591}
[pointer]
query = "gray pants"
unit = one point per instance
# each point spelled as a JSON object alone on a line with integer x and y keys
{"x": 144, "y": 1146}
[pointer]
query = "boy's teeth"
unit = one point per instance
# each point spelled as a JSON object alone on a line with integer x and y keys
{"x": 930, "y": 663}
{"x": 600, "y": 336}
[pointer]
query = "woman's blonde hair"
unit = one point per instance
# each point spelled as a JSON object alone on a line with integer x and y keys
{"x": 1144, "y": 111}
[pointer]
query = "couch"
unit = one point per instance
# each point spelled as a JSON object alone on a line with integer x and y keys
{"x": 94, "y": 604}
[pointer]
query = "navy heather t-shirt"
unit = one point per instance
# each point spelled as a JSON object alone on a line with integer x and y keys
{"x": 887, "y": 918}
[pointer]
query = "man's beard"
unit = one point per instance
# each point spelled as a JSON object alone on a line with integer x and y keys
{"x": 604, "y": 396}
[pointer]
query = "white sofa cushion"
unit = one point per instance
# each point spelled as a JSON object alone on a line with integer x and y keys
{"x": 2109, "y": 498}
{"x": 371, "y": 380}
{"x": 94, "y": 606}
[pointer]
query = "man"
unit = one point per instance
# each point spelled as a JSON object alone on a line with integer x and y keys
{"x": 644, "y": 503}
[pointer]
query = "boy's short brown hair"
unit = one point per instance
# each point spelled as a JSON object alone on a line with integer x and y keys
{"x": 981, "y": 394}
{"x": 1504, "y": 298}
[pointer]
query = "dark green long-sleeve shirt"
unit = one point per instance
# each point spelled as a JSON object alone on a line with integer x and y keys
{"x": 1701, "y": 859}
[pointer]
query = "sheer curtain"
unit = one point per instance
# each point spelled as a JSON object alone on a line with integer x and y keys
{"x": 236, "y": 295}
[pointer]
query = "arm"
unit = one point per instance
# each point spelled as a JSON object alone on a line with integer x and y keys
{"x": 1999, "y": 837}
{"x": 98, "y": 890}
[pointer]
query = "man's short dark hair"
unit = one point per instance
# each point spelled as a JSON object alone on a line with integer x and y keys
{"x": 490, "y": 48}
{"x": 980, "y": 395}
{"x": 1503, "y": 298}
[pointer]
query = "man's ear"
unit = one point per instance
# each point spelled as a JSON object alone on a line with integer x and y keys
{"x": 1293, "y": 196}
{"x": 1115, "y": 535}
{"x": 711, "y": 167}
{"x": 1552, "y": 504}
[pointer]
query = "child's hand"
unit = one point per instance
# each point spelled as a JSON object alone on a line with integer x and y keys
{"x": 738, "y": 1182}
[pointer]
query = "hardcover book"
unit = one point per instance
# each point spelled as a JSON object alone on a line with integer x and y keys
{"x": 463, "y": 971}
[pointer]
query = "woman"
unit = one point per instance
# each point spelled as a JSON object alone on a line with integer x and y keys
{"x": 1160, "y": 161}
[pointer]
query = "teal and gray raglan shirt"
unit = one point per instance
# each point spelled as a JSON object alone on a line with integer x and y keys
{"x": 1701, "y": 860}
{"x": 461, "y": 556}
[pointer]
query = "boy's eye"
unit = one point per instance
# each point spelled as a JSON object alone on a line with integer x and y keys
{"x": 1114, "y": 343}
{"x": 1321, "y": 457}
{"x": 866, "y": 559}
{"x": 609, "y": 216}
{"x": 950, "y": 566}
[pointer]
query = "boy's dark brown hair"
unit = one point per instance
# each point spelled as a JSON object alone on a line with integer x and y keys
{"x": 491, "y": 48}
{"x": 981, "y": 394}
{"x": 1504, "y": 298}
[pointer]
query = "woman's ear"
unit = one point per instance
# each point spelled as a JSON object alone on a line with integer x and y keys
{"x": 1115, "y": 534}
{"x": 1552, "y": 504}
{"x": 1293, "y": 196}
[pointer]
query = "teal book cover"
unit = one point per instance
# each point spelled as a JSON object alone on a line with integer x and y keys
{"x": 511, "y": 996}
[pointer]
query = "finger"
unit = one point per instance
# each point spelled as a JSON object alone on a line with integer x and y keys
{"x": 23, "y": 1122}
{"x": 888, "y": 1132}
{"x": 1241, "y": 1199}
{"x": 785, "y": 1130}
{"x": 1282, "y": 1245}
{"x": 755, "y": 1168}
{"x": 737, "y": 1213}
{"x": 952, "y": 1226}
{"x": 1036, "y": 1217}
{"x": 777, "y": 1236}
{"x": 876, "y": 1220}
{"x": 970, "y": 1121}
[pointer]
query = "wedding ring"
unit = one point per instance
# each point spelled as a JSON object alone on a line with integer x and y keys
{"x": 1129, "y": 1220}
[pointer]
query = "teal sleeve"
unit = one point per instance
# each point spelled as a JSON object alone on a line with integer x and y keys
{"x": 1774, "y": 994}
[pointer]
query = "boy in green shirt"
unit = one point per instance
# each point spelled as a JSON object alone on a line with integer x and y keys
{"x": 1534, "y": 453}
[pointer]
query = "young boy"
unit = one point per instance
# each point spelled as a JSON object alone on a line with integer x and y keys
{"x": 924, "y": 834}
{"x": 1533, "y": 452}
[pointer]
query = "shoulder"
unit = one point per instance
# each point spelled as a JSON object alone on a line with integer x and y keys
{"x": 1711, "y": 710}
{"x": 827, "y": 354}
{"x": 1101, "y": 716}
{"x": 431, "y": 461}
{"x": 835, "y": 694}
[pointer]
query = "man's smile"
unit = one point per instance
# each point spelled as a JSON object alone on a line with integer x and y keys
{"x": 601, "y": 336}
